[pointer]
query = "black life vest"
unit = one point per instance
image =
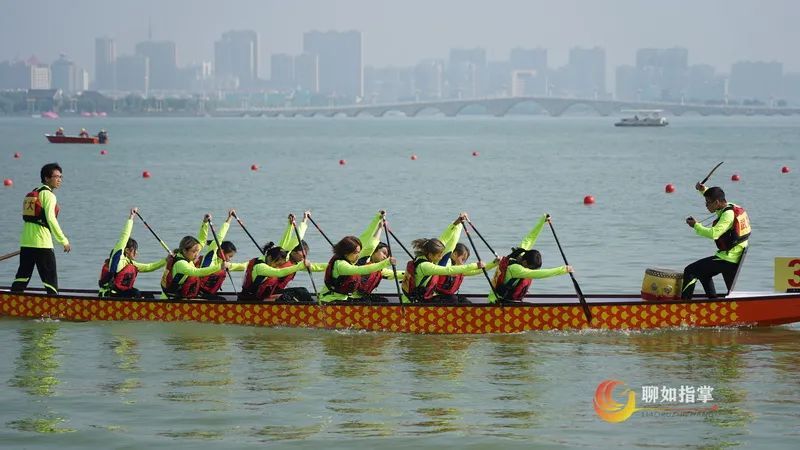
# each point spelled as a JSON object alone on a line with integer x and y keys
{"x": 739, "y": 231}
{"x": 32, "y": 210}
{"x": 342, "y": 284}
{"x": 509, "y": 289}
{"x": 422, "y": 291}
{"x": 178, "y": 286}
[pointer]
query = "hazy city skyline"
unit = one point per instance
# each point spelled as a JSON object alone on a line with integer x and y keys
{"x": 719, "y": 33}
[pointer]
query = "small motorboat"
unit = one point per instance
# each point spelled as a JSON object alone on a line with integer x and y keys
{"x": 643, "y": 118}
{"x": 101, "y": 138}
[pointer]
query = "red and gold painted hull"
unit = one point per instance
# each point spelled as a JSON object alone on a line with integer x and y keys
{"x": 560, "y": 312}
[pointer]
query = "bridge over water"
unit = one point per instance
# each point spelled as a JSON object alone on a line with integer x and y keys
{"x": 500, "y": 106}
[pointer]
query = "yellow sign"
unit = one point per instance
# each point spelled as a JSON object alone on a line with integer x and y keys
{"x": 787, "y": 274}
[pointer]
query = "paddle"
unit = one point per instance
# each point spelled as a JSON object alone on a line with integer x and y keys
{"x": 394, "y": 269}
{"x": 391, "y": 233}
{"x": 480, "y": 236}
{"x": 584, "y": 305}
{"x": 709, "y": 173}
{"x": 308, "y": 269}
{"x": 224, "y": 258}
{"x": 485, "y": 273}
{"x": 9, "y": 255}
{"x": 154, "y": 233}
{"x": 319, "y": 229}
{"x": 248, "y": 234}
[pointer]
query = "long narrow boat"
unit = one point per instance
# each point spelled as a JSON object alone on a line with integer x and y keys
{"x": 72, "y": 139}
{"x": 538, "y": 312}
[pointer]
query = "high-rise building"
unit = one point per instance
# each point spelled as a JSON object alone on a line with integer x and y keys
{"x": 428, "y": 79}
{"x": 162, "y": 63}
{"x": 40, "y": 76}
{"x": 236, "y": 58}
{"x": 105, "y": 55}
{"x": 64, "y": 74}
{"x": 341, "y": 67}
{"x": 282, "y": 71}
{"x": 306, "y": 72}
{"x": 756, "y": 80}
{"x": 586, "y": 72}
{"x": 133, "y": 74}
{"x": 627, "y": 87}
{"x": 663, "y": 74}
{"x": 466, "y": 72}
{"x": 530, "y": 59}
{"x": 388, "y": 84}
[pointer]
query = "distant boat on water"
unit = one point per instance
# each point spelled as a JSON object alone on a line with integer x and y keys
{"x": 643, "y": 118}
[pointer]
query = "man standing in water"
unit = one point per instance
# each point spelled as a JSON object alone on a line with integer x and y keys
{"x": 40, "y": 212}
{"x": 729, "y": 231}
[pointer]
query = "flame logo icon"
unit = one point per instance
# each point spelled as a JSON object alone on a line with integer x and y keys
{"x": 609, "y": 409}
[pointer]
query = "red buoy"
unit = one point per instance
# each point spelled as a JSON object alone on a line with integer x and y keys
{"x": 145, "y": 174}
{"x": 8, "y": 182}
{"x": 254, "y": 167}
{"x": 785, "y": 169}
{"x": 103, "y": 152}
{"x": 17, "y": 155}
{"x": 669, "y": 188}
{"x": 342, "y": 162}
{"x": 588, "y": 200}
{"x": 735, "y": 177}
{"x": 475, "y": 153}
{"x": 413, "y": 157}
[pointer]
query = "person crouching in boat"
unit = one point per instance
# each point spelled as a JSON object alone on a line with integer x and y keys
{"x": 83, "y": 133}
{"x": 60, "y": 131}
{"x": 297, "y": 251}
{"x": 119, "y": 271}
{"x": 181, "y": 278}
{"x": 211, "y": 284}
{"x": 516, "y": 272}
{"x": 423, "y": 271}
{"x": 343, "y": 276}
{"x": 263, "y": 275}
{"x": 373, "y": 251}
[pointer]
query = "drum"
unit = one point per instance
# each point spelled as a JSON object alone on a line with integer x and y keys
{"x": 662, "y": 284}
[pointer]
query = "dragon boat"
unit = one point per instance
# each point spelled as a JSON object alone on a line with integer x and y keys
{"x": 536, "y": 312}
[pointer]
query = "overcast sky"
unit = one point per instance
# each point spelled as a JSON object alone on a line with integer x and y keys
{"x": 401, "y": 32}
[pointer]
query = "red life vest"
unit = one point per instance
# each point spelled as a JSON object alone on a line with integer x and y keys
{"x": 739, "y": 231}
{"x": 342, "y": 284}
{"x": 369, "y": 283}
{"x": 513, "y": 289}
{"x": 120, "y": 281}
{"x": 212, "y": 283}
{"x": 449, "y": 285}
{"x": 425, "y": 289}
{"x": 32, "y": 210}
{"x": 263, "y": 287}
{"x": 172, "y": 285}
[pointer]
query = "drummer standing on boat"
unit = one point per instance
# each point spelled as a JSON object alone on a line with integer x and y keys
{"x": 40, "y": 212}
{"x": 729, "y": 231}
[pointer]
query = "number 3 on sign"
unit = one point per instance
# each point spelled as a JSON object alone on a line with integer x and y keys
{"x": 787, "y": 274}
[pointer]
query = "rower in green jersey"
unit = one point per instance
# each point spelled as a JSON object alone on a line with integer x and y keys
{"x": 211, "y": 284}
{"x": 121, "y": 268}
{"x": 373, "y": 251}
{"x": 263, "y": 275}
{"x": 181, "y": 277}
{"x": 423, "y": 271}
{"x": 39, "y": 212}
{"x": 296, "y": 250}
{"x": 343, "y": 276}
{"x": 516, "y": 272}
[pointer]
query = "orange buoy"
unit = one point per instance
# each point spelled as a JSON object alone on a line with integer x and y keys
{"x": 103, "y": 152}
{"x": 254, "y": 167}
{"x": 413, "y": 157}
{"x": 342, "y": 162}
{"x": 588, "y": 200}
{"x": 145, "y": 174}
{"x": 735, "y": 177}
{"x": 17, "y": 155}
{"x": 785, "y": 169}
{"x": 475, "y": 153}
{"x": 669, "y": 188}
{"x": 8, "y": 182}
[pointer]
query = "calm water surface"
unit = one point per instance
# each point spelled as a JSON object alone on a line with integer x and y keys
{"x": 130, "y": 385}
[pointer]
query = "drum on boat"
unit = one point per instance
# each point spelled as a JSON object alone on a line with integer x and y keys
{"x": 662, "y": 284}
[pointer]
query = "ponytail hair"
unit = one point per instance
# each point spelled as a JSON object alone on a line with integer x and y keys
{"x": 347, "y": 245}
{"x": 267, "y": 246}
{"x": 275, "y": 254}
{"x": 516, "y": 253}
{"x": 424, "y": 247}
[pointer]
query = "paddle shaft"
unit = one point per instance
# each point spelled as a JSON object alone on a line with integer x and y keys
{"x": 582, "y": 299}
{"x": 710, "y": 173}
{"x": 394, "y": 268}
{"x": 248, "y": 234}
{"x": 308, "y": 269}
{"x": 320, "y": 230}
{"x": 224, "y": 259}
{"x": 481, "y": 236}
{"x": 485, "y": 273}
{"x": 391, "y": 233}
{"x": 154, "y": 233}
{"x": 10, "y": 255}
